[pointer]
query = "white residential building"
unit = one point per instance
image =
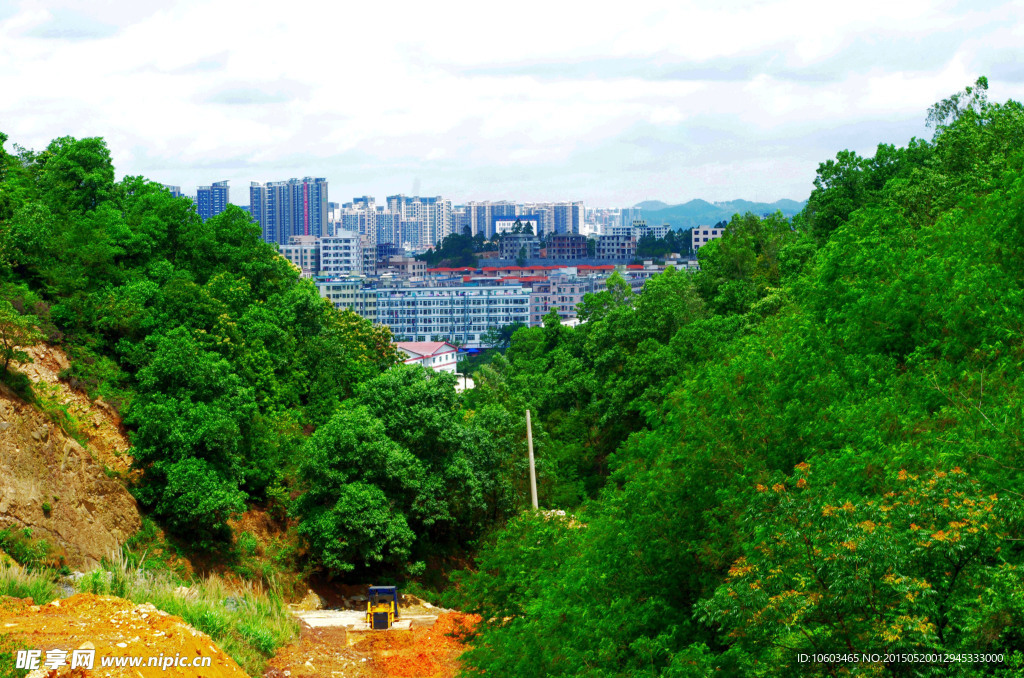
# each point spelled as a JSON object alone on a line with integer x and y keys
{"x": 439, "y": 356}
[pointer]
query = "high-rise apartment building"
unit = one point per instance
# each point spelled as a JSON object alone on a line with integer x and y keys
{"x": 212, "y": 200}
{"x": 568, "y": 217}
{"x": 287, "y": 208}
{"x": 309, "y": 206}
{"x": 460, "y": 220}
{"x": 174, "y": 190}
{"x": 629, "y": 214}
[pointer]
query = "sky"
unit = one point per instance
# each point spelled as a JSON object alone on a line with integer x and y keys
{"x": 550, "y": 100}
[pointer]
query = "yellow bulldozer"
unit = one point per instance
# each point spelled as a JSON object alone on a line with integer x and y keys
{"x": 381, "y": 607}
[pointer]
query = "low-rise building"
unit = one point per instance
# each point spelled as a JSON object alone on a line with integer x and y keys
{"x": 407, "y": 266}
{"x": 562, "y": 293}
{"x": 439, "y": 356}
{"x": 514, "y": 245}
{"x": 658, "y": 231}
{"x": 462, "y": 314}
{"x": 616, "y": 248}
{"x": 567, "y": 247}
{"x": 304, "y": 252}
{"x": 343, "y": 293}
{"x": 341, "y": 254}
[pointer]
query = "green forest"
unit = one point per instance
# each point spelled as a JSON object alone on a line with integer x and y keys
{"x": 811, "y": 446}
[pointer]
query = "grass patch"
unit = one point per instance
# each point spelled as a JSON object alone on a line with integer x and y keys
{"x": 274, "y": 564}
{"x": 22, "y": 582}
{"x": 25, "y": 549}
{"x": 19, "y": 383}
{"x": 48, "y": 400}
{"x": 8, "y": 649}
{"x": 247, "y": 620}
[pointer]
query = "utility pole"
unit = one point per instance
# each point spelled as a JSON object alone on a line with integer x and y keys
{"x": 533, "y": 471}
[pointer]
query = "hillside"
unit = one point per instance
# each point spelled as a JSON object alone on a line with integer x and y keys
{"x": 233, "y": 388}
{"x": 813, "y": 445}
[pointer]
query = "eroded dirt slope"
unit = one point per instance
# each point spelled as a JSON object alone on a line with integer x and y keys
{"x": 67, "y": 494}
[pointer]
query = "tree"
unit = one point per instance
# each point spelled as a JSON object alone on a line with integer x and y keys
{"x": 916, "y": 570}
{"x": 360, "y": 485}
{"x": 971, "y": 99}
{"x": 500, "y": 338}
{"x": 17, "y": 332}
{"x": 76, "y": 174}
{"x": 455, "y": 251}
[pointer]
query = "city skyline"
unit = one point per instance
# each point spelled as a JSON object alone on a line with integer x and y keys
{"x": 662, "y": 101}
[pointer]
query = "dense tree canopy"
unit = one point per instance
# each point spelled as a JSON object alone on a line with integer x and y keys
{"x": 400, "y": 473}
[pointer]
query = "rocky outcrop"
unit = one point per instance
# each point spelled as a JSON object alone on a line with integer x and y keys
{"x": 66, "y": 493}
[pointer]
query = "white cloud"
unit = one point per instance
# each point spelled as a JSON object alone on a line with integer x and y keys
{"x": 540, "y": 99}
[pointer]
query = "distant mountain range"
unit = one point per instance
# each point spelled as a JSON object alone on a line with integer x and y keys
{"x": 700, "y": 212}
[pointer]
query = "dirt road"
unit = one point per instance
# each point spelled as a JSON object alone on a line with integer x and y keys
{"x": 339, "y": 646}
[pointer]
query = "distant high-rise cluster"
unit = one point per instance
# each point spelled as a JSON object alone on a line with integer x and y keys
{"x": 419, "y": 222}
{"x": 287, "y": 208}
{"x": 300, "y": 207}
{"x": 212, "y": 200}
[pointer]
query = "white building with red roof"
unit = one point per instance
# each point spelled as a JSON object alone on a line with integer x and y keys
{"x": 439, "y": 356}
